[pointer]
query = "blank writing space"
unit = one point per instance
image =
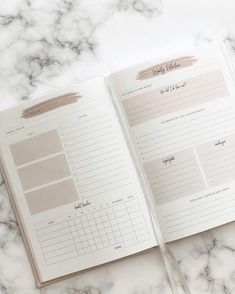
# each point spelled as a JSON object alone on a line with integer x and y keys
{"x": 36, "y": 147}
{"x": 204, "y": 214}
{"x": 96, "y": 155}
{"x": 172, "y": 98}
{"x": 51, "y": 197}
{"x": 62, "y": 257}
{"x": 43, "y": 172}
{"x": 185, "y": 132}
{"x": 58, "y": 245}
{"x": 120, "y": 224}
{"x": 174, "y": 176}
{"x": 65, "y": 250}
{"x": 50, "y": 242}
{"x": 51, "y": 229}
{"x": 218, "y": 160}
{"x": 54, "y": 234}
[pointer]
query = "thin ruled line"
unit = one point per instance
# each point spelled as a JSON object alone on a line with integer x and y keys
{"x": 198, "y": 205}
{"x": 88, "y": 145}
{"x": 216, "y": 135}
{"x": 84, "y": 230}
{"x": 92, "y": 150}
{"x": 98, "y": 155}
{"x": 55, "y": 237}
{"x": 113, "y": 188}
{"x": 50, "y": 225}
{"x": 189, "y": 120}
{"x": 194, "y": 172}
{"x": 135, "y": 203}
{"x": 214, "y": 153}
{"x": 83, "y": 128}
{"x": 222, "y": 180}
{"x": 85, "y": 134}
{"x": 189, "y": 132}
{"x": 102, "y": 179}
{"x": 179, "y": 97}
{"x": 110, "y": 157}
{"x": 102, "y": 166}
{"x": 171, "y": 94}
{"x": 62, "y": 254}
{"x": 172, "y": 171}
{"x": 55, "y": 249}
{"x": 67, "y": 258}
{"x": 45, "y": 233}
{"x": 169, "y": 108}
{"x": 202, "y": 222}
{"x": 91, "y": 138}
{"x": 184, "y": 128}
{"x": 82, "y": 122}
{"x": 97, "y": 187}
{"x": 187, "y": 192}
{"x": 47, "y": 246}
{"x": 74, "y": 243}
{"x": 118, "y": 227}
{"x": 213, "y": 165}
{"x": 181, "y": 179}
{"x": 198, "y": 211}
{"x": 52, "y": 244}
{"x": 189, "y": 144}
{"x": 196, "y": 99}
{"x": 103, "y": 172}
{"x": 170, "y": 166}
{"x": 198, "y": 181}
{"x": 68, "y": 236}
{"x": 228, "y": 170}
{"x": 90, "y": 132}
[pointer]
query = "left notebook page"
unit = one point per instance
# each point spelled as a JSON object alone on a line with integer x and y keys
{"x": 73, "y": 181}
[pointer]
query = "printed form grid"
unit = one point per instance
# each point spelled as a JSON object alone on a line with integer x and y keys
{"x": 120, "y": 224}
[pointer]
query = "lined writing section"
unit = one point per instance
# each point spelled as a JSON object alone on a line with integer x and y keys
{"x": 96, "y": 155}
{"x": 174, "y": 97}
{"x": 174, "y": 176}
{"x": 117, "y": 226}
{"x": 195, "y": 126}
{"x": 211, "y": 210}
{"x": 218, "y": 160}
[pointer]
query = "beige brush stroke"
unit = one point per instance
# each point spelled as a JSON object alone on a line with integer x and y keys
{"x": 177, "y": 63}
{"x": 50, "y": 104}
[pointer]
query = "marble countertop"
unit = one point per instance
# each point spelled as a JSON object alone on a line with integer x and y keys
{"x": 52, "y": 44}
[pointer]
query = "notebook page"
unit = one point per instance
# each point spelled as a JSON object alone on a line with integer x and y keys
{"x": 180, "y": 115}
{"x": 74, "y": 182}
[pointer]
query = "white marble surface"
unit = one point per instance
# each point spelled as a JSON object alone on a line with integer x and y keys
{"x": 46, "y": 44}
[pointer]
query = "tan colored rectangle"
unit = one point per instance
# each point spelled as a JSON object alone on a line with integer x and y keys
{"x": 36, "y": 147}
{"x": 44, "y": 172}
{"x": 174, "y": 97}
{"x": 218, "y": 160}
{"x": 174, "y": 176}
{"x": 51, "y": 196}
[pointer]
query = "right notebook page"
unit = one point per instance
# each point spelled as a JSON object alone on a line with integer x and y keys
{"x": 180, "y": 115}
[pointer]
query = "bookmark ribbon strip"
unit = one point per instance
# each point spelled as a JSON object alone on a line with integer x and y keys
{"x": 176, "y": 276}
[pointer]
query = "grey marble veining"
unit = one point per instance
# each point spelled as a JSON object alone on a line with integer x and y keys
{"x": 51, "y": 44}
{"x": 42, "y": 39}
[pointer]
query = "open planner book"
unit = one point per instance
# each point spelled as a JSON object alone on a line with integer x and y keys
{"x": 81, "y": 165}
